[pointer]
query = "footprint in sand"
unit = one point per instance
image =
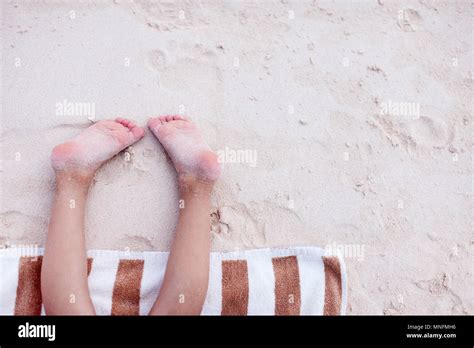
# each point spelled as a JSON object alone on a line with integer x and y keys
{"x": 156, "y": 60}
{"x": 424, "y": 131}
{"x": 237, "y": 222}
{"x": 428, "y": 132}
{"x": 191, "y": 70}
{"x": 409, "y": 20}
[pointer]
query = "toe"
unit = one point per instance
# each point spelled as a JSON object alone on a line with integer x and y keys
{"x": 132, "y": 125}
{"x": 137, "y": 132}
{"x": 169, "y": 118}
{"x": 180, "y": 117}
{"x": 162, "y": 118}
{"x": 154, "y": 123}
{"x": 123, "y": 121}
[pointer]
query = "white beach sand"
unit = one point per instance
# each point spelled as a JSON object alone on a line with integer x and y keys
{"x": 312, "y": 89}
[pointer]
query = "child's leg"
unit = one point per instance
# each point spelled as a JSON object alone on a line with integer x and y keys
{"x": 187, "y": 273}
{"x": 64, "y": 271}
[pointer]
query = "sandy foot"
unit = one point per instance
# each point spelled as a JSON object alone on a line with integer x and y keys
{"x": 184, "y": 144}
{"x": 95, "y": 145}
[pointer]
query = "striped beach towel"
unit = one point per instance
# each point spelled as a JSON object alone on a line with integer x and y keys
{"x": 290, "y": 281}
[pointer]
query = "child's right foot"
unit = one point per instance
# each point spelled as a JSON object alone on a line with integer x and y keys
{"x": 85, "y": 153}
{"x": 192, "y": 157}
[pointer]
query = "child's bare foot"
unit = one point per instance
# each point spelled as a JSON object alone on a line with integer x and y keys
{"x": 85, "y": 153}
{"x": 193, "y": 159}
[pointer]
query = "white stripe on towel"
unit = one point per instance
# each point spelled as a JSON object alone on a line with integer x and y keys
{"x": 213, "y": 303}
{"x": 102, "y": 280}
{"x": 153, "y": 273}
{"x": 9, "y": 273}
{"x": 312, "y": 284}
{"x": 261, "y": 284}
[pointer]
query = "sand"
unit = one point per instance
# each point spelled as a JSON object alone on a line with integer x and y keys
{"x": 340, "y": 125}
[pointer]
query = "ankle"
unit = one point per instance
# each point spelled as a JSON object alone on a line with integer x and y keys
{"x": 79, "y": 178}
{"x": 189, "y": 184}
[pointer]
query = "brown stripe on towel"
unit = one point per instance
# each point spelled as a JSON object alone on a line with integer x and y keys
{"x": 89, "y": 265}
{"x": 333, "y": 287}
{"x": 235, "y": 287}
{"x": 287, "y": 285}
{"x": 28, "y": 292}
{"x": 126, "y": 294}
